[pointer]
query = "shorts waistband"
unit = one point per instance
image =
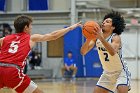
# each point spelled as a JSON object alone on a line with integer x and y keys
{"x": 9, "y": 65}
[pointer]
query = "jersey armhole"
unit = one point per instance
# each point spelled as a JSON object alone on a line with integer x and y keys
{"x": 95, "y": 43}
{"x": 1, "y": 41}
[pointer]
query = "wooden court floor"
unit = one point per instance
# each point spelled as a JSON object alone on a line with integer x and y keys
{"x": 79, "y": 86}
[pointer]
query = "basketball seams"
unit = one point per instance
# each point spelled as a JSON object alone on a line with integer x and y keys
{"x": 88, "y": 29}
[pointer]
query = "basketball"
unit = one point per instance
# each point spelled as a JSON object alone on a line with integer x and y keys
{"x": 88, "y": 29}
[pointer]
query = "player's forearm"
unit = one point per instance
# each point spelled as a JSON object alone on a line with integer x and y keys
{"x": 108, "y": 47}
{"x": 58, "y": 33}
{"x": 85, "y": 48}
{"x": 53, "y": 35}
{"x": 61, "y": 32}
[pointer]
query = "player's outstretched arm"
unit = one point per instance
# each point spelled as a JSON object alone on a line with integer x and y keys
{"x": 87, "y": 46}
{"x": 53, "y": 35}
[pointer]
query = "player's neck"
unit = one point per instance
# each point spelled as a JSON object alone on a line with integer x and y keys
{"x": 107, "y": 34}
{"x": 26, "y": 32}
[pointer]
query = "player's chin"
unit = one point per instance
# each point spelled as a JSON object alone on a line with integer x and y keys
{"x": 103, "y": 30}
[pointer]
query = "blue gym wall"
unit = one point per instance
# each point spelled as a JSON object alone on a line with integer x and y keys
{"x": 38, "y": 4}
{"x": 92, "y": 64}
{"x": 73, "y": 42}
{"x": 2, "y": 5}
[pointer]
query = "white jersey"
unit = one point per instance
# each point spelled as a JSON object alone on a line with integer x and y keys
{"x": 109, "y": 63}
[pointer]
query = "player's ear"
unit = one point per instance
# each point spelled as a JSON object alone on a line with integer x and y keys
{"x": 26, "y": 27}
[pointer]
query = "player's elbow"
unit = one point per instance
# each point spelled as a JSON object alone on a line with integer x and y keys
{"x": 83, "y": 52}
{"x": 112, "y": 53}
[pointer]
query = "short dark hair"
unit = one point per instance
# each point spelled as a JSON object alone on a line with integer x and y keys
{"x": 117, "y": 21}
{"x": 69, "y": 52}
{"x": 21, "y": 21}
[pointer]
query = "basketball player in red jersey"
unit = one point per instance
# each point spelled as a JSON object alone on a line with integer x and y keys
{"x": 14, "y": 50}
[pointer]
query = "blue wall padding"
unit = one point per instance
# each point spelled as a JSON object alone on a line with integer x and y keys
{"x": 92, "y": 64}
{"x": 2, "y": 5}
{"x": 73, "y": 42}
{"x": 38, "y": 4}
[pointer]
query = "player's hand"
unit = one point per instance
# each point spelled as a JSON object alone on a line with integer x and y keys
{"x": 75, "y": 25}
{"x": 99, "y": 34}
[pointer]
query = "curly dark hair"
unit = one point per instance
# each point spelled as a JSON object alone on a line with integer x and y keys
{"x": 117, "y": 21}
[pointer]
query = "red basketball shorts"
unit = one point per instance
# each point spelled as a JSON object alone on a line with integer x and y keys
{"x": 12, "y": 77}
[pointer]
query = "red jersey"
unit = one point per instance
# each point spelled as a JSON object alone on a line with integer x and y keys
{"x": 15, "y": 48}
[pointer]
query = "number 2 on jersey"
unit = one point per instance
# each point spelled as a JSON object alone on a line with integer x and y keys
{"x": 13, "y": 47}
{"x": 106, "y": 57}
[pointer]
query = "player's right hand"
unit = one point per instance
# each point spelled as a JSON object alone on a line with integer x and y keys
{"x": 75, "y": 25}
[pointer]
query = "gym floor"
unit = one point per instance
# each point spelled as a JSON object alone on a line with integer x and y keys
{"x": 79, "y": 86}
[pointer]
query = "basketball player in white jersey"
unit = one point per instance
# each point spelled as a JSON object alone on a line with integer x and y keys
{"x": 115, "y": 74}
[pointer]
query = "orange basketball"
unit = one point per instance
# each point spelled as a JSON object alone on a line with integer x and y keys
{"x": 88, "y": 29}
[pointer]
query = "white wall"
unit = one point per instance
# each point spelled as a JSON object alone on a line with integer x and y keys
{"x": 131, "y": 49}
{"x": 16, "y": 5}
{"x": 59, "y": 4}
{"x": 22, "y": 5}
{"x": 49, "y": 63}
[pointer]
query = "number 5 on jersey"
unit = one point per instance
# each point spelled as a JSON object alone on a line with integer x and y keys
{"x": 13, "y": 47}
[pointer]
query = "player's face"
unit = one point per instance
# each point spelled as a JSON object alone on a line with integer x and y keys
{"x": 69, "y": 55}
{"x": 107, "y": 25}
